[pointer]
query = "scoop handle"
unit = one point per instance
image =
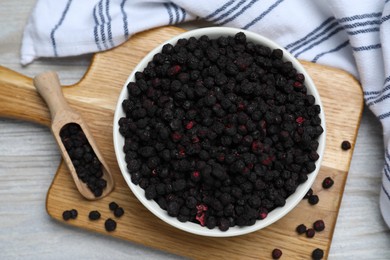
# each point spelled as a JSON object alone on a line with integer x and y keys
{"x": 49, "y": 87}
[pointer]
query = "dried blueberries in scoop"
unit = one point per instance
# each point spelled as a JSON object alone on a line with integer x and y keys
{"x": 86, "y": 163}
{"x": 219, "y": 131}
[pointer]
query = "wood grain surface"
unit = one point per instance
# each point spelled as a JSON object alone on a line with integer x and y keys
{"x": 95, "y": 98}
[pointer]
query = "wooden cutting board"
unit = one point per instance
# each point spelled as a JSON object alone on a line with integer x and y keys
{"x": 95, "y": 97}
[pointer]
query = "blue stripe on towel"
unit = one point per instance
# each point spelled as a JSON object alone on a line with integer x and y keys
{"x": 358, "y": 17}
{"x": 378, "y": 97}
{"x": 326, "y": 30}
{"x": 109, "y": 32}
{"x": 239, "y": 13}
{"x": 386, "y": 80}
{"x": 381, "y": 91}
{"x": 387, "y": 167}
{"x": 261, "y": 16}
{"x": 359, "y": 24}
{"x": 371, "y": 92}
{"x": 376, "y": 93}
{"x": 379, "y": 100}
{"x": 387, "y": 154}
{"x": 387, "y": 194}
{"x": 183, "y": 12}
{"x": 384, "y": 116}
{"x": 326, "y": 26}
{"x": 334, "y": 32}
{"x": 53, "y": 31}
{"x": 95, "y": 29}
{"x": 367, "y": 48}
{"x": 385, "y": 18}
{"x": 169, "y": 13}
{"x": 374, "y": 29}
{"x": 222, "y": 8}
{"x": 103, "y": 34}
{"x": 323, "y": 24}
{"x": 176, "y": 12}
{"x": 125, "y": 26}
{"x": 387, "y": 160}
{"x": 344, "y": 44}
{"x": 386, "y": 171}
{"x": 231, "y": 10}
{"x": 338, "y": 29}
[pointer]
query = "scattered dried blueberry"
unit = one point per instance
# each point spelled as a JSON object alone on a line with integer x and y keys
{"x": 319, "y": 225}
{"x": 87, "y": 165}
{"x": 310, "y": 232}
{"x": 66, "y": 215}
{"x": 110, "y": 225}
{"x": 301, "y": 229}
{"x": 345, "y": 145}
{"x": 327, "y": 183}
{"x": 313, "y": 199}
{"x": 73, "y": 213}
{"x": 118, "y": 212}
{"x": 69, "y": 214}
{"x": 113, "y": 206}
{"x": 308, "y": 193}
{"x": 276, "y": 253}
{"x": 317, "y": 254}
{"x": 219, "y": 124}
{"x": 94, "y": 215}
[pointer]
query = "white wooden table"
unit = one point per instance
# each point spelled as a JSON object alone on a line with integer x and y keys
{"x": 29, "y": 158}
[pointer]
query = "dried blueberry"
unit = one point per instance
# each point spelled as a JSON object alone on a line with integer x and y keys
{"x": 276, "y": 253}
{"x": 301, "y": 229}
{"x": 94, "y": 215}
{"x": 110, "y": 225}
{"x": 113, "y": 206}
{"x": 73, "y": 213}
{"x": 346, "y": 145}
{"x": 66, "y": 215}
{"x": 313, "y": 199}
{"x": 224, "y": 224}
{"x": 327, "y": 183}
{"x": 319, "y": 225}
{"x": 118, "y": 212}
{"x": 211, "y": 222}
{"x": 310, "y": 232}
{"x": 317, "y": 254}
{"x": 173, "y": 208}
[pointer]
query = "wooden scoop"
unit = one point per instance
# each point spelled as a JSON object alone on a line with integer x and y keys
{"x": 48, "y": 86}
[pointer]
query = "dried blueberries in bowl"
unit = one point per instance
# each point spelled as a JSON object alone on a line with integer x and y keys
{"x": 219, "y": 132}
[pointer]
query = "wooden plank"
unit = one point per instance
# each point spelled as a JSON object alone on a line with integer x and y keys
{"x": 95, "y": 97}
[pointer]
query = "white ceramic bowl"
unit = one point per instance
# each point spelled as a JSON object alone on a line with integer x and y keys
{"x": 274, "y": 215}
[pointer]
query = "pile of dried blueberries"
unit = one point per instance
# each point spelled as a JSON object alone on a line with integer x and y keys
{"x": 88, "y": 167}
{"x": 219, "y": 131}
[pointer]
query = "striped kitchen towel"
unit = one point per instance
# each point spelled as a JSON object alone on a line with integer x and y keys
{"x": 351, "y": 35}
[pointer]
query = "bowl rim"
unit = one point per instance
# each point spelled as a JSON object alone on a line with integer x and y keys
{"x": 194, "y": 228}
